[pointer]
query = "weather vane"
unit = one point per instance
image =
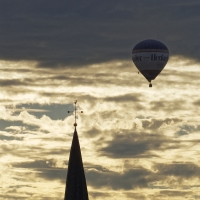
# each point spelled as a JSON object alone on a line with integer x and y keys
{"x": 75, "y": 112}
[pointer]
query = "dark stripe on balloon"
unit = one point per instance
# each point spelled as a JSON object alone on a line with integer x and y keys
{"x": 150, "y": 50}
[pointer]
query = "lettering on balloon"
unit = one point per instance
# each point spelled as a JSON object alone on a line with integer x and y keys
{"x": 154, "y": 57}
{"x": 137, "y": 58}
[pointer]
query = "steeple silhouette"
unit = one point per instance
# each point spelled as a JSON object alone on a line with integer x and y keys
{"x": 76, "y": 187}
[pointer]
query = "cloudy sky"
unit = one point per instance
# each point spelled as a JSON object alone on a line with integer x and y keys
{"x": 137, "y": 142}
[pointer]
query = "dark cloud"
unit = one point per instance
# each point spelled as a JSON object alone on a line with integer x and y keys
{"x": 129, "y": 179}
{"x": 13, "y": 149}
{"x": 141, "y": 145}
{"x": 136, "y": 196}
{"x": 10, "y": 138}
{"x": 96, "y": 177}
{"x": 149, "y": 124}
{"x": 93, "y": 132}
{"x": 187, "y": 129}
{"x": 90, "y": 78}
{"x": 14, "y": 196}
{"x": 36, "y": 164}
{"x": 197, "y": 103}
{"x": 175, "y": 193}
{"x": 168, "y": 106}
{"x": 28, "y": 151}
{"x": 181, "y": 170}
{"x": 99, "y": 194}
{"x": 44, "y": 168}
{"x": 77, "y": 33}
{"x": 138, "y": 145}
{"x": 53, "y": 174}
{"x": 155, "y": 124}
{"x": 142, "y": 178}
{"x": 11, "y": 82}
{"x": 134, "y": 178}
{"x": 124, "y": 98}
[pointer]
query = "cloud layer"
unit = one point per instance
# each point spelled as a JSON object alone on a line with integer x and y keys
{"x": 76, "y": 33}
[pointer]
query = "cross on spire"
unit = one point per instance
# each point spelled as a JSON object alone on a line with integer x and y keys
{"x": 75, "y": 113}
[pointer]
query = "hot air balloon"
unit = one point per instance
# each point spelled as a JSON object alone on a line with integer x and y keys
{"x": 150, "y": 57}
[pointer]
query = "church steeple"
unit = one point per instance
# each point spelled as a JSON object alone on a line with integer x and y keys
{"x": 76, "y": 187}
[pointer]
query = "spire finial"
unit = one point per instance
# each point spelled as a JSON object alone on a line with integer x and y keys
{"x": 75, "y": 113}
{"x": 75, "y": 102}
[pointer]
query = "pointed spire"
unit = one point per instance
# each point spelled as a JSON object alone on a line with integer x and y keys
{"x": 76, "y": 188}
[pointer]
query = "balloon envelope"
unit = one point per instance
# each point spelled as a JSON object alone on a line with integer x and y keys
{"x": 150, "y": 57}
